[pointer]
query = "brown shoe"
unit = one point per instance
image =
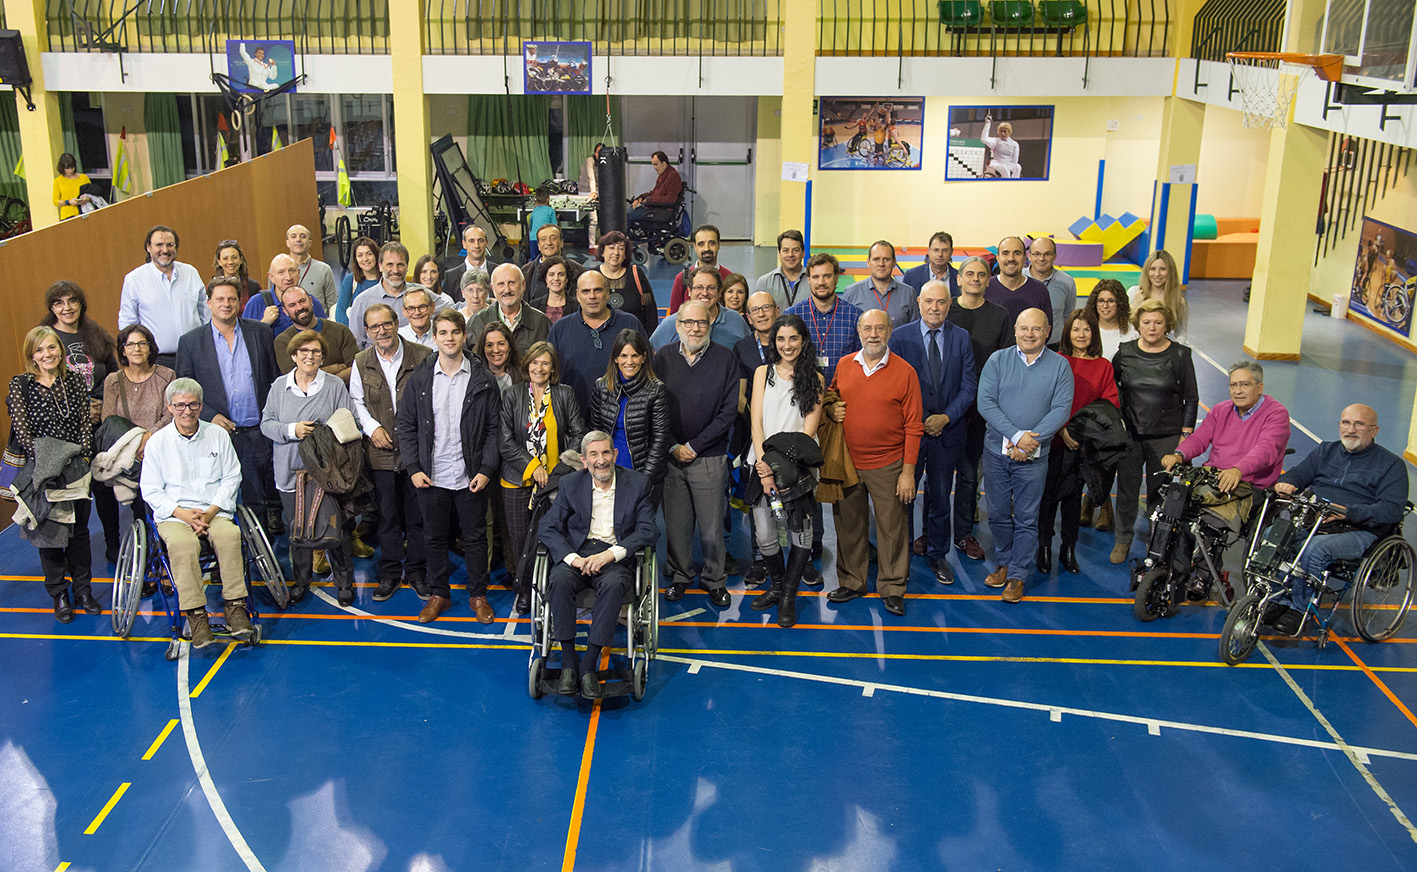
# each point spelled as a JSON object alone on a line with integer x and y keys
{"x": 359, "y": 548}
{"x": 996, "y": 578}
{"x": 320, "y": 565}
{"x": 1013, "y": 592}
{"x": 1085, "y": 514}
{"x": 238, "y": 623}
{"x": 920, "y": 546}
{"x": 435, "y": 606}
{"x": 1119, "y": 551}
{"x": 1104, "y": 517}
{"x": 483, "y": 610}
{"x": 971, "y": 547}
{"x": 199, "y": 628}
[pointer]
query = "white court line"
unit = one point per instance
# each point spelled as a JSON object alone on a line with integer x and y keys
{"x": 204, "y": 776}
{"x": 682, "y": 616}
{"x": 419, "y": 628}
{"x": 1353, "y": 754}
{"x": 1055, "y": 713}
{"x": 1302, "y": 429}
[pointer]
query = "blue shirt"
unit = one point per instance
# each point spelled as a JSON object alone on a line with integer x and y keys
{"x": 540, "y": 217}
{"x": 899, "y": 300}
{"x": 235, "y": 364}
{"x": 256, "y": 307}
{"x": 725, "y": 330}
{"x": 834, "y": 333}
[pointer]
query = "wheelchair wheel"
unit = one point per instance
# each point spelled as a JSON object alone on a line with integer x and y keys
{"x": 261, "y": 556}
{"x": 1242, "y": 630}
{"x": 639, "y": 679}
{"x": 640, "y": 255}
{"x": 533, "y": 677}
{"x": 129, "y": 576}
{"x": 1382, "y": 589}
{"x": 677, "y": 250}
{"x": 1150, "y": 600}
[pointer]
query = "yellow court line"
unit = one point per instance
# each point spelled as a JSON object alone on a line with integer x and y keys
{"x": 206, "y": 679}
{"x": 161, "y": 737}
{"x": 62, "y": 866}
{"x": 108, "y": 807}
{"x": 573, "y": 833}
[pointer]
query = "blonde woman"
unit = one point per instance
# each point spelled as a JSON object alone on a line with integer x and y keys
{"x": 1161, "y": 280}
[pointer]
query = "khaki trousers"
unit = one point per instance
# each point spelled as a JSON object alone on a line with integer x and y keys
{"x": 875, "y": 489}
{"x": 184, "y": 551}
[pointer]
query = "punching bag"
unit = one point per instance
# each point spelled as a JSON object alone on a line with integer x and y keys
{"x": 610, "y": 177}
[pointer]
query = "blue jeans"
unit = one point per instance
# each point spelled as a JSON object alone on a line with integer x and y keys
{"x": 1012, "y": 493}
{"x": 1324, "y": 549}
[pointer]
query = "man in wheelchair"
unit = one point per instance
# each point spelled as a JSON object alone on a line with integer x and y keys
{"x": 601, "y": 518}
{"x": 191, "y": 476}
{"x": 1246, "y": 435}
{"x": 668, "y": 187}
{"x": 1368, "y": 487}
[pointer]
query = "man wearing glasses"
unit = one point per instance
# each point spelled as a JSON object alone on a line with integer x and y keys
{"x": 583, "y": 338}
{"x": 393, "y": 267}
{"x": 418, "y": 312}
{"x": 190, "y": 478}
{"x": 726, "y": 326}
{"x": 529, "y": 325}
{"x": 1246, "y": 435}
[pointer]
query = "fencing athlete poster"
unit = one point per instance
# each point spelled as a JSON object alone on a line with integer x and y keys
{"x": 259, "y": 65}
{"x": 871, "y": 133}
{"x": 1385, "y": 276}
{"x": 556, "y": 67}
{"x": 999, "y": 142}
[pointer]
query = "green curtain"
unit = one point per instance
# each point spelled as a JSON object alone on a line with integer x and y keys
{"x": 66, "y": 123}
{"x": 585, "y": 126}
{"x": 507, "y": 133}
{"x": 12, "y": 185}
{"x": 164, "y": 135}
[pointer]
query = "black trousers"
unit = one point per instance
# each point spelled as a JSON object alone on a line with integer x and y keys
{"x": 74, "y": 561}
{"x": 612, "y": 585}
{"x": 967, "y": 474}
{"x": 402, "y": 552}
{"x": 1062, "y": 487}
{"x": 438, "y": 505}
{"x": 106, "y": 504}
{"x": 258, "y": 475}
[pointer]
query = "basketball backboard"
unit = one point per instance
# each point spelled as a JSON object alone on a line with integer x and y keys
{"x": 1378, "y": 39}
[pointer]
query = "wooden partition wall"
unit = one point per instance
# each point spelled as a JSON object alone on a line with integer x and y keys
{"x": 253, "y": 203}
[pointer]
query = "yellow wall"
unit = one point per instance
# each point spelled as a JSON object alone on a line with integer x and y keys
{"x": 767, "y": 182}
{"x": 1232, "y": 166}
{"x": 1334, "y": 272}
{"x": 908, "y": 206}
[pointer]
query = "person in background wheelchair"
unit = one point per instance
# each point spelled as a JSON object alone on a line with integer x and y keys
{"x": 601, "y": 518}
{"x": 1368, "y": 486}
{"x": 190, "y": 479}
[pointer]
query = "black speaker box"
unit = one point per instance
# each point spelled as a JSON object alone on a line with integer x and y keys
{"x": 13, "y": 68}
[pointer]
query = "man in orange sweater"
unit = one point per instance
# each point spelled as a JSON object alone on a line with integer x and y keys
{"x": 883, "y": 433}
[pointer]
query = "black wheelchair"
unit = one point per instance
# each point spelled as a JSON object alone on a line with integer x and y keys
{"x": 142, "y": 559}
{"x": 1186, "y": 547}
{"x": 1381, "y": 580}
{"x": 660, "y": 232}
{"x": 641, "y": 631}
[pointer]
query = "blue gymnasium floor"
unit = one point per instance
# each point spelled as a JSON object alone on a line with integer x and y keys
{"x": 1059, "y": 733}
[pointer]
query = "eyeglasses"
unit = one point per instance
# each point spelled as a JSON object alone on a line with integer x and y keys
{"x": 408, "y": 308}
{"x": 1244, "y": 384}
{"x": 378, "y": 327}
{"x": 136, "y": 346}
{"x": 187, "y": 407}
{"x": 703, "y": 288}
{"x": 1356, "y": 425}
{"x": 694, "y": 323}
{"x": 759, "y": 310}
{"x": 308, "y": 352}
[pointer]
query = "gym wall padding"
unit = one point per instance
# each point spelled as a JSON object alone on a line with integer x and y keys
{"x": 252, "y": 202}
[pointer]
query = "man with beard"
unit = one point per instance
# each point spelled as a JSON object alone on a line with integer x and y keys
{"x": 706, "y": 244}
{"x": 266, "y": 306}
{"x": 1015, "y": 289}
{"x": 393, "y": 266}
{"x": 163, "y": 295}
{"x": 298, "y": 307}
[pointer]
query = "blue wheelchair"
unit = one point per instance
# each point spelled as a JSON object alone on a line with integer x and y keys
{"x": 1381, "y": 580}
{"x": 142, "y": 560}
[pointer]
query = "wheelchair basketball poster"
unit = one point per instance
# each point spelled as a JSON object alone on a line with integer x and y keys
{"x": 259, "y": 65}
{"x": 556, "y": 67}
{"x": 999, "y": 142}
{"x": 1385, "y": 276}
{"x": 871, "y": 134}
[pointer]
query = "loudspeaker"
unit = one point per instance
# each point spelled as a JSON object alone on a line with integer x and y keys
{"x": 13, "y": 68}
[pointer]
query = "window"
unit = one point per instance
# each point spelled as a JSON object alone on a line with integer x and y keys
{"x": 90, "y": 133}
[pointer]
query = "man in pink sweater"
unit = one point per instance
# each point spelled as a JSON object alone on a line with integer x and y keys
{"x": 1246, "y": 435}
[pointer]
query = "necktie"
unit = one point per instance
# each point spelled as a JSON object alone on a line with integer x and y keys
{"x": 937, "y": 364}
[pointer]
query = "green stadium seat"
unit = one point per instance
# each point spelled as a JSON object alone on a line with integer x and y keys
{"x": 961, "y": 13}
{"x": 1062, "y": 13}
{"x": 1011, "y": 13}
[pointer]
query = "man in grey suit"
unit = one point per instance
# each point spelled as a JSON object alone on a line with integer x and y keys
{"x": 234, "y": 360}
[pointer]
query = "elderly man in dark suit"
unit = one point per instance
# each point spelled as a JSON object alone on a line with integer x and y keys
{"x": 942, "y": 356}
{"x": 234, "y": 360}
{"x": 601, "y": 518}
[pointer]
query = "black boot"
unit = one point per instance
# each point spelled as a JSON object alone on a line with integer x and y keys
{"x": 770, "y": 597}
{"x": 63, "y": 608}
{"x": 1068, "y": 559}
{"x": 797, "y": 560}
{"x": 1044, "y": 557}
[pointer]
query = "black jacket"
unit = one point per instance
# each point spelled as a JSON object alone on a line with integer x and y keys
{"x": 1158, "y": 390}
{"x": 1103, "y": 443}
{"x": 516, "y": 406}
{"x": 646, "y": 421}
{"x": 479, "y": 428}
{"x": 196, "y": 359}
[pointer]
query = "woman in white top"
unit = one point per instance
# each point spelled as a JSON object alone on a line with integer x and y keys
{"x": 1109, "y": 305}
{"x": 1004, "y": 149}
{"x": 1162, "y": 281}
{"x": 787, "y": 398}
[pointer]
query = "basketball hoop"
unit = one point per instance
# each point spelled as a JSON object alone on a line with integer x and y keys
{"x": 1267, "y": 82}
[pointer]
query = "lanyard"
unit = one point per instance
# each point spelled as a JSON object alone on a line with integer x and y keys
{"x": 821, "y": 344}
{"x": 883, "y": 302}
{"x": 789, "y": 290}
{"x": 762, "y": 355}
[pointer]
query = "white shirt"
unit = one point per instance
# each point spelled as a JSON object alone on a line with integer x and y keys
{"x": 602, "y": 521}
{"x": 860, "y": 357}
{"x": 390, "y": 368}
{"x": 167, "y": 306}
{"x": 426, "y": 340}
{"x": 190, "y": 472}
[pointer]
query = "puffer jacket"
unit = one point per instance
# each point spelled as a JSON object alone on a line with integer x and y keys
{"x": 1158, "y": 390}
{"x": 646, "y": 421}
{"x": 516, "y": 407}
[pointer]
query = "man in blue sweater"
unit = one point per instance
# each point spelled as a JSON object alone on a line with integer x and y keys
{"x": 1366, "y": 482}
{"x": 1025, "y": 397}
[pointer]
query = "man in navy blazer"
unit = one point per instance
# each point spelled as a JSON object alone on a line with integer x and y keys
{"x": 943, "y": 358}
{"x": 235, "y": 378}
{"x": 601, "y": 518}
{"x": 937, "y": 265}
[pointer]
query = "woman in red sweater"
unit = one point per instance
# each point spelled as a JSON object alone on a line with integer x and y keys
{"x": 1092, "y": 380}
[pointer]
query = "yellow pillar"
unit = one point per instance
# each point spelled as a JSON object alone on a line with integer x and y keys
{"x": 41, "y": 138}
{"x": 412, "y": 132}
{"x": 799, "y": 79}
{"x": 1173, "y": 201}
{"x": 1279, "y": 291}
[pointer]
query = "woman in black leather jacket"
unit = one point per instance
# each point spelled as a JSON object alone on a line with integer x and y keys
{"x": 1157, "y": 384}
{"x": 541, "y": 421}
{"x": 630, "y": 404}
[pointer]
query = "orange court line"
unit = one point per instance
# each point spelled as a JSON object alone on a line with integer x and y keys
{"x": 1372, "y": 676}
{"x": 573, "y": 834}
